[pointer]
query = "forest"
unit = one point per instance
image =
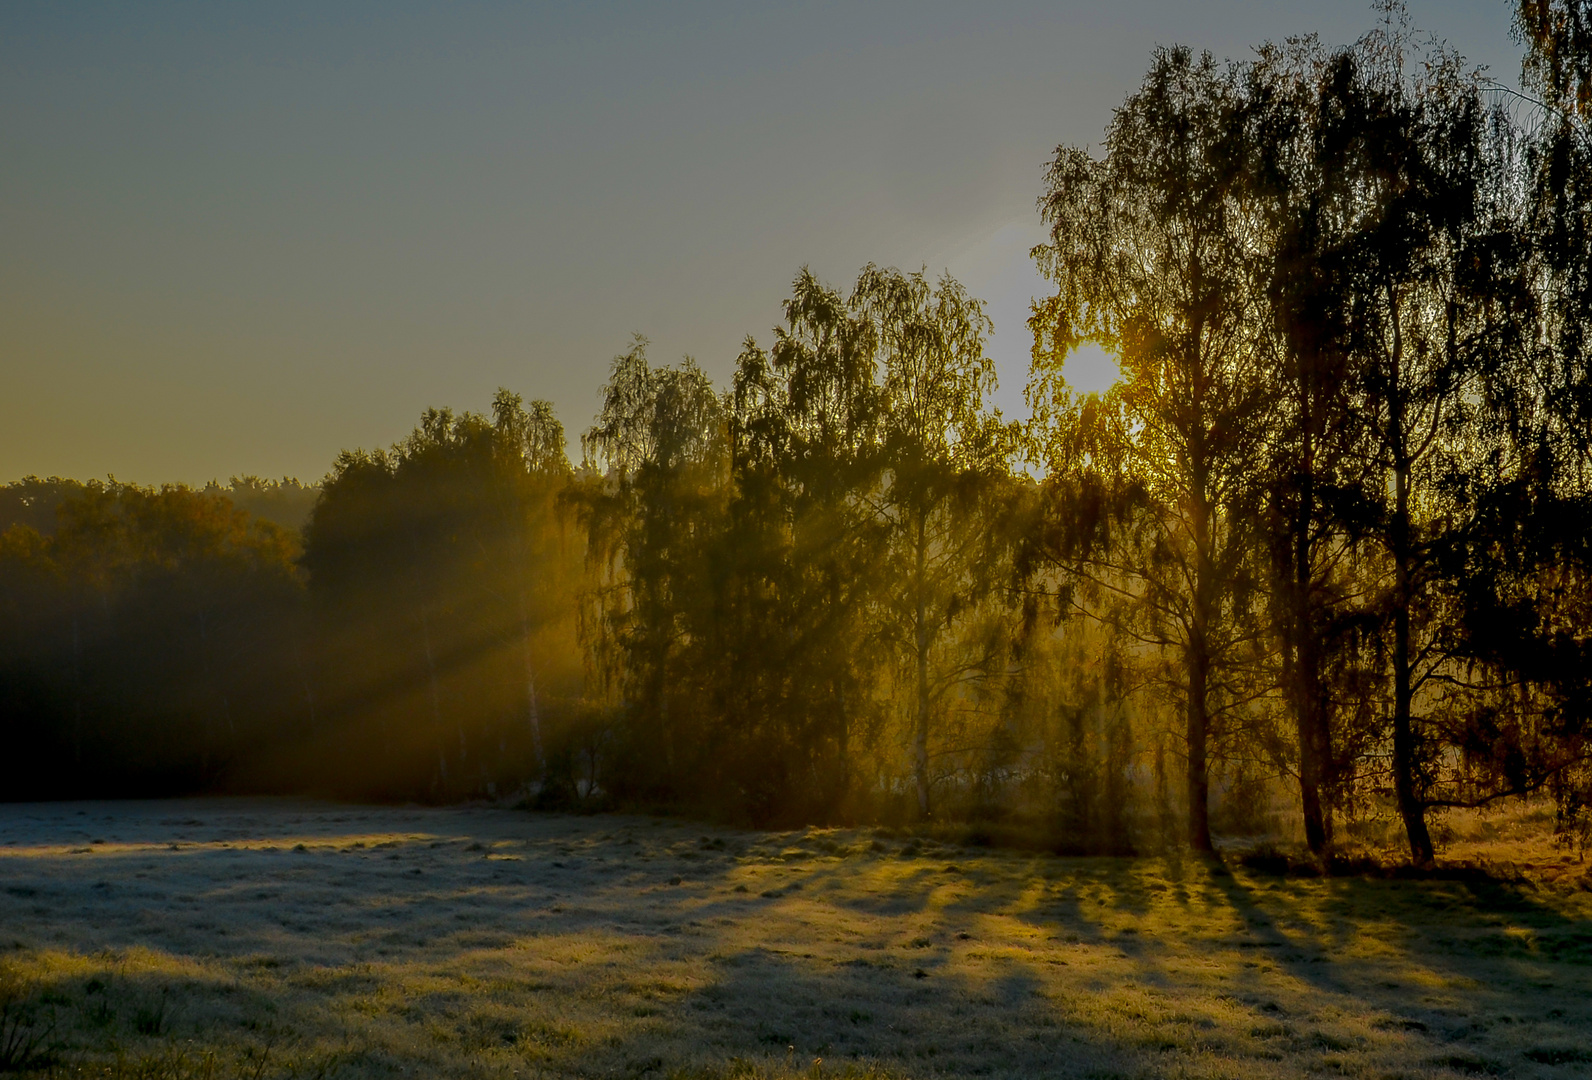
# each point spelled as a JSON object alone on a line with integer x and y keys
{"x": 1321, "y": 558}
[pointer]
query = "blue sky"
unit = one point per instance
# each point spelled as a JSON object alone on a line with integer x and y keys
{"x": 239, "y": 238}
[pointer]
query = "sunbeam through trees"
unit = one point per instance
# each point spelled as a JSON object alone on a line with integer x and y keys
{"x": 1321, "y": 557}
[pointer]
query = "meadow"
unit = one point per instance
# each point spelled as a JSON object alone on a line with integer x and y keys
{"x": 277, "y": 938}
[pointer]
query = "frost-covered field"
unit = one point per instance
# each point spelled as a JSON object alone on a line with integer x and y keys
{"x": 277, "y": 938}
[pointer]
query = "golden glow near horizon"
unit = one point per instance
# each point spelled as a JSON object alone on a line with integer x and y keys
{"x": 238, "y": 241}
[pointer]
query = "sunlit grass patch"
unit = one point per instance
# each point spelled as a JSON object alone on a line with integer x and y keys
{"x": 616, "y": 946}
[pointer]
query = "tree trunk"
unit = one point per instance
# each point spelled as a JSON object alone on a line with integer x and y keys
{"x": 1199, "y": 784}
{"x": 1198, "y": 667}
{"x": 921, "y": 634}
{"x": 837, "y": 689}
{"x": 304, "y": 676}
{"x": 436, "y": 693}
{"x": 842, "y": 744}
{"x": 1163, "y": 797}
{"x": 532, "y": 712}
{"x": 1318, "y": 824}
{"x": 1310, "y": 717}
{"x": 1411, "y": 808}
{"x": 77, "y": 690}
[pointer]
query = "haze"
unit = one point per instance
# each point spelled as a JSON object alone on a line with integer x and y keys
{"x": 237, "y": 240}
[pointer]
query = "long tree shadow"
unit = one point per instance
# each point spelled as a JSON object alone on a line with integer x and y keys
{"x": 903, "y": 1018}
{"x": 701, "y": 949}
{"x": 1487, "y": 971}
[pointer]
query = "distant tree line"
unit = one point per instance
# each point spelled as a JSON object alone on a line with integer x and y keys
{"x": 144, "y": 638}
{"x": 1323, "y": 549}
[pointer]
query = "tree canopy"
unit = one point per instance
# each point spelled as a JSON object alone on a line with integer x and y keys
{"x": 1320, "y": 561}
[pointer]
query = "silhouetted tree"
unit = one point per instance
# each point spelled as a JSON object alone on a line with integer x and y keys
{"x": 442, "y": 586}
{"x": 652, "y": 500}
{"x": 801, "y": 558}
{"x": 142, "y": 642}
{"x": 945, "y": 455}
{"x": 1148, "y": 251}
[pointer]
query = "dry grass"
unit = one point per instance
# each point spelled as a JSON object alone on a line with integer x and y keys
{"x": 274, "y": 939}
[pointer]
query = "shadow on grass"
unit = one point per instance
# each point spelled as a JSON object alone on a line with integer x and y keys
{"x": 901, "y": 1017}
{"x": 903, "y": 959}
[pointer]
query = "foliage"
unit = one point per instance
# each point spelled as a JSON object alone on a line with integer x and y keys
{"x": 440, "y": 587}
{"x": 121, "y": 633}
{"x": 1321, "y": 555}
{"x": 1333, "y": 262}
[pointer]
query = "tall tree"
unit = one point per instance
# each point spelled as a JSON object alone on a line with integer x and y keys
{"x": 946, "y": 454}
{"x": 1303, "y": 162}
{"x": 1423, "y": 327}
{"x": 442, "y": 585}
{"x": 1149, "y": 249}
{"x": 1520, "y": 567}
{"x": 805, "y": 549}
{"x": 653, "y": 503}
{"x": 532, "y": 470}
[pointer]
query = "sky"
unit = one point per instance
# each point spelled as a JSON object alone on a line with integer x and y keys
{"x": 239, "y": 238}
